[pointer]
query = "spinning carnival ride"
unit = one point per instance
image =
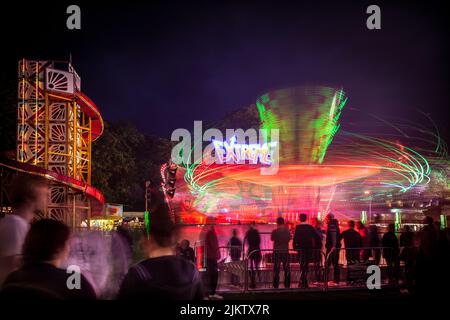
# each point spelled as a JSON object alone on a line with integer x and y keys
{"x": 56, "y": 125}
{"x": 322, "y": 167}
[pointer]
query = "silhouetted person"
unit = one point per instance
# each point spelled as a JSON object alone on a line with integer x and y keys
{"x": 253, "y": 252}
{"x": 305, "y": 241}
{"x": 428, "y": 276}
{"x": 374, "y": 243}
{"x": 235, "y": 251}
{"x": 281, "y": 236}
{"x": 445, "y": 245}
{"x": 443, "y": 252}
{"x": 212, "y": 255}
{"x": 185, "y": 251}
{"x": 46, "y": 246}
{"x": 408, "y": 253}
{"x": 364, "y": 233}
{"x": 391, "y": 251}
{"x": 352, "y": 240}
{"x": 162, "y": 275}
{"x": 28, "y": 195}
{"x": 317, "y": 254}
{"x": 332, "y": 245}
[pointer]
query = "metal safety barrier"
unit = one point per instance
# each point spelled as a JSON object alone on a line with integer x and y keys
{"x": 265, "y": 264}
{"x": 345, "y": 267}
{"x": 354, "y": 262}
{"x": 259, "y": 267}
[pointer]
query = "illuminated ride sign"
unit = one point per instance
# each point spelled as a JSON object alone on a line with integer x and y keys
{"x": 238, "y": 153}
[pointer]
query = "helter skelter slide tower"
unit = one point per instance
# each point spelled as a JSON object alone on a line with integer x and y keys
{"x": 56, "y": 125}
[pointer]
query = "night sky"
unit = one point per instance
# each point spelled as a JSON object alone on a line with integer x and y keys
{"x": 162, "y": 65}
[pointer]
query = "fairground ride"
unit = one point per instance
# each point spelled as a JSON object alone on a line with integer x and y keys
{"x": 325, "y": 165}
{"x": 56, "y": 125}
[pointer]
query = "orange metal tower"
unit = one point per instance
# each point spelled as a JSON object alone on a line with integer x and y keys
{"x": 56, "y": 125}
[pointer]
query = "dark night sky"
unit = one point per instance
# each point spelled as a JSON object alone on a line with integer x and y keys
{"x": 163, "y": 65}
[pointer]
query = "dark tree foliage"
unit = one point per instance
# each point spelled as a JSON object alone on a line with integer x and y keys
{"x": 123, "y": 158}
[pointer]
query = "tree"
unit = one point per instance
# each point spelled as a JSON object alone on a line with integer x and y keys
{"x": 123, "y": 158}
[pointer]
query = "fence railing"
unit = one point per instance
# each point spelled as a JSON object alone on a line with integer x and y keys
{"x": 355, "y": 262}
{"x": 345, "y": 267}
{"x": 268, "y": 265}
